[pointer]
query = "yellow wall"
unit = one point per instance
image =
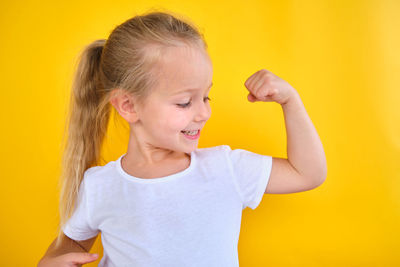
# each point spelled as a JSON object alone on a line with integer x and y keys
{"x": 342, "y": 57}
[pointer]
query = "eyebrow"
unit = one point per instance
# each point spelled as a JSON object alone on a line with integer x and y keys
{"x": 189, "y": 89}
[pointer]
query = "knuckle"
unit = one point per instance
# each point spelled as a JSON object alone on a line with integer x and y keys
{"x": 260, "y": 82}
{"x": 266, "y": 75}
{"x": 259, "y": 94}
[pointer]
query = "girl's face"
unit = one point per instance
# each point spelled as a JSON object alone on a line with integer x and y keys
{"x": 180, "y": 102}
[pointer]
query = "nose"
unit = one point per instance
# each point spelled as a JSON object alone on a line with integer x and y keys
{"x": 203, "y": 112}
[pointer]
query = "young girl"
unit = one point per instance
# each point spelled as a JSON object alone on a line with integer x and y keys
{"x": 166, "y": 202}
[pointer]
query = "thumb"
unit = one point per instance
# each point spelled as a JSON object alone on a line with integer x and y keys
{"x": 251, "y": 98}
{"x": 81, "y": 257}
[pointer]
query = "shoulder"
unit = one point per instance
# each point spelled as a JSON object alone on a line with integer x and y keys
{"x": 100, "y": 174}
{"x": 212, "y": 152}
{"x": 226, "y": 151}
{"x": 213, "y": 149}
{"x": 214, "y": 157}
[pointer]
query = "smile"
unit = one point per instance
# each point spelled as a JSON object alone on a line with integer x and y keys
{"x": 193, "y": 136}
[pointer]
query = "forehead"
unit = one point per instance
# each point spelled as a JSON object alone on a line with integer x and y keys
{"x": 187, "y": 90}
{"x": 184, "y": 68}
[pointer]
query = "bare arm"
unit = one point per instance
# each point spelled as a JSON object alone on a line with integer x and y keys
{"x": 66, "y": 246}
{"x": 305, "y": 168}
{"x": 304, "y": 149}
{"x": 54, "y": 256}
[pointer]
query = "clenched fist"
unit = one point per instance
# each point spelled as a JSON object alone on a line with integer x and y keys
{"x": 266, "y": 86}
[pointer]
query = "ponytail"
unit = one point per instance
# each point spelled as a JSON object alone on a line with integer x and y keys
{"x": 87, "y": 122}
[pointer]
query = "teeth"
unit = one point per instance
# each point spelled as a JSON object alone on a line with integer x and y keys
{"x": 191, "y": 132}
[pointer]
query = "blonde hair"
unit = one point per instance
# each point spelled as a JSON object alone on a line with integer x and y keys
{"x": 127, "y": 60}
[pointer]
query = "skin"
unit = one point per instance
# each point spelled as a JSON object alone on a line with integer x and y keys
{"x": 305, "y": 168}
{"x": 155, "y": 138}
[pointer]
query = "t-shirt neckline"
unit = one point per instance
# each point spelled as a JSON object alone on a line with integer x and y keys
{"x": 157, "y": 179}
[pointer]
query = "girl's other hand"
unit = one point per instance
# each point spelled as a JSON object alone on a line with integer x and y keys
{"x": 266, "y": 86}
{"x": 68, "y": 260}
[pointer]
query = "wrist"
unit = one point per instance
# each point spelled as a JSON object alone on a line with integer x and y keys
{"x": 293, "y": 102}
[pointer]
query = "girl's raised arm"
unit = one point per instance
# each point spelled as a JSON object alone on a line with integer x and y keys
{"x": 305, "y": 168}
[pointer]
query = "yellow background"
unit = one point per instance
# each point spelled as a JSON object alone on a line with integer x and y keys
{"x": 342, "y": 57}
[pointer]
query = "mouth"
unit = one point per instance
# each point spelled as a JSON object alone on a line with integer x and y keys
{"x": 191, "y": 134}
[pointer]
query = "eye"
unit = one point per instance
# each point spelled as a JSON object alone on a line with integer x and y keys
{"x": 184, "y": 105}
{"x": 188, "y": 104}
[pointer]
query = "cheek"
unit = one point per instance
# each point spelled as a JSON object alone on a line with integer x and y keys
{"x": 173, "y": 120}
{"x": 179, "y": 121}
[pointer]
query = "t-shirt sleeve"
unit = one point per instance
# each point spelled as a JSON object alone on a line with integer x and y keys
{"x": 78, "y": 227}
{"x": 250, "y": 174}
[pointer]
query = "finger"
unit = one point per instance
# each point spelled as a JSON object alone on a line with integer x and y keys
{"x": 270, "y": 94}
{"x": 258, "y": 87}
{"x": 258, "y": 82}
{"x": 250, "y": 80}
{"x": 261, "y": 81}
{"x": 272, "y": 91}
{"x": 80, "y": 257}
{"x": 247, "y": 82}
{"x": 265, "y": 94}
{"x": 261, "y": 93}
{"x": 255, "y": 79}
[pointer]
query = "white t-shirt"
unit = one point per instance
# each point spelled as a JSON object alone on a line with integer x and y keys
{"x": 190, "y": 218}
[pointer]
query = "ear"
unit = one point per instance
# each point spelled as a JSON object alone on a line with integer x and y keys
{"x": 125, "y": 105}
